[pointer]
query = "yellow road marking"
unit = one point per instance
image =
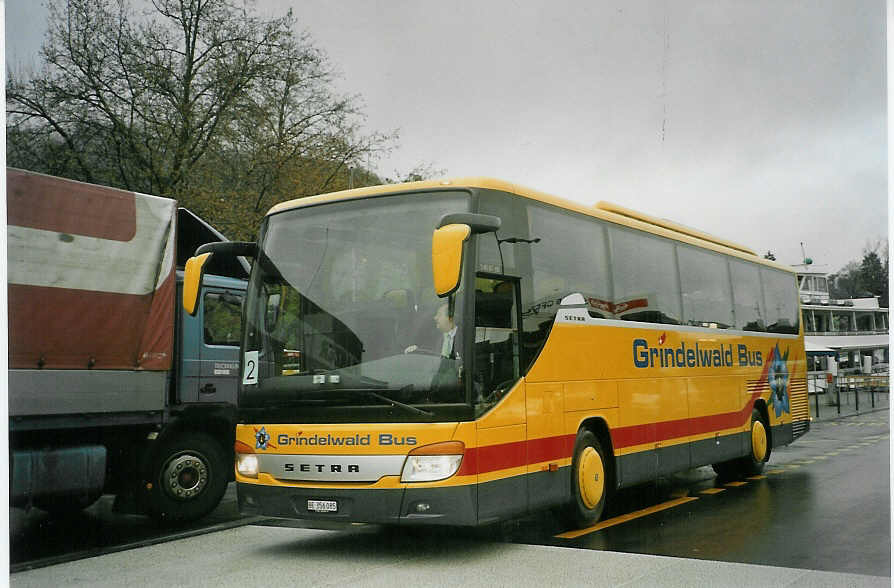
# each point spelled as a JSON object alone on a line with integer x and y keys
{"x": 757, "y": 478}
{"x": 806, "y": 461}
{"x": 627, "y": 517}
{"x": 833, "y": 453}
{"x": 793, "y": 465}
{"x": 822, "y": 457}
{"x": 775, "y": 471}
{"x": 735, "y": 484}
{"x": 712, "y": 490}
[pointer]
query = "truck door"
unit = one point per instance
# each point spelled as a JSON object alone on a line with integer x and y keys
{"x": 221, "y": 315}
{"x": 209, "y": 347}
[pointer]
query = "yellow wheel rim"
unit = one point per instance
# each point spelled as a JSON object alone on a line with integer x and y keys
{"x": 758, "y": 441}
{"x": 590, "y": 477}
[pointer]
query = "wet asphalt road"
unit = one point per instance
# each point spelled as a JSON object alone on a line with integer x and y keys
{"x": 823, "y": 504}
{"x": 38, "y": 539}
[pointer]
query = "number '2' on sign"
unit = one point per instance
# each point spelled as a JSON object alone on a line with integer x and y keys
{"x": 250, "y": 368}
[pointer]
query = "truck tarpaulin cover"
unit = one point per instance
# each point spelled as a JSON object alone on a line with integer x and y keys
{"x": 91, "y": 275}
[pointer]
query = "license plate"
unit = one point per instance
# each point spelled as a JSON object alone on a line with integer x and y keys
{"x": 322, "y": 506}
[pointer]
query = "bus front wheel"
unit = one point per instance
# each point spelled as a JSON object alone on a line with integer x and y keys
{"x": 588, "y": 480}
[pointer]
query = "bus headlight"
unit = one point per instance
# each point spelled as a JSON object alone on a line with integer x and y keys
{"x": 433, "y": 462}
{"x": 247, "y": 465}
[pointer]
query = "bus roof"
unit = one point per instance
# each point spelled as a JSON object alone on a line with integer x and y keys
{"x": 603, "y": 210}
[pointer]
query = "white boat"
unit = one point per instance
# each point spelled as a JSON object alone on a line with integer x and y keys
{"x": 852, "y": 331}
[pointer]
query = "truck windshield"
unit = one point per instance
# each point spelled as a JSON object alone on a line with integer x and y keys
{"x": 341, "y": 310}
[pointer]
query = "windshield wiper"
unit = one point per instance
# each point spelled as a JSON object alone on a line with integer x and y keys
{"x": 392, "y": 401}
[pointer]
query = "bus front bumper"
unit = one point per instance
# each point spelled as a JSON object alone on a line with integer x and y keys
{"x": 451, "y": 505}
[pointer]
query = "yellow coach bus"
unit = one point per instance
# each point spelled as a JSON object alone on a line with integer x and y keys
{"x": 458, "y": 352}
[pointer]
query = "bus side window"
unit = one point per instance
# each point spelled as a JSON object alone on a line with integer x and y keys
{"x": 496, "y": 337}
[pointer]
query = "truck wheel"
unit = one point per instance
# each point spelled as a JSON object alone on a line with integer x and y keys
{"x": 189, "y": 476}
{"x": 589, "y": 485}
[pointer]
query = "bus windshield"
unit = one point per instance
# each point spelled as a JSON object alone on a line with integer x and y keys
{"x": 341, "y": 309}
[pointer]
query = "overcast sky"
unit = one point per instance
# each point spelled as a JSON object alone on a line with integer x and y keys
{"x": 763, "y": 122}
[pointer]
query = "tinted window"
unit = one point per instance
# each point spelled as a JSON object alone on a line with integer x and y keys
{"x": 705, "y": 286}
{"x": 780, "y": 300}
{"x": 571, "y": 257}
{"x": 223, "y": 319}
{"x": 748, "y": 301}
{"x": 644, "y": 274}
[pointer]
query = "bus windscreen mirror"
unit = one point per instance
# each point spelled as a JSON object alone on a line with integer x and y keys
{"x": 447, "y": 257}
{"x": 192, "y": 281}
{"x": 477, "y": 223}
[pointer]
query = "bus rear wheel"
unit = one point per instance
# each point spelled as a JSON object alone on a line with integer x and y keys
{"x": 589, "y": 486}
{"x": 758, "y": 455}
{"x": 753, "y": 463}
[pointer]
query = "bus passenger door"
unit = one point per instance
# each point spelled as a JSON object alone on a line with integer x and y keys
{"x": 502, "y": 489}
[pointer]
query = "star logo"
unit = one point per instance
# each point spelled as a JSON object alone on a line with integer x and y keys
{"x": 262, "y": 439}
{"x": 778, "y": 379}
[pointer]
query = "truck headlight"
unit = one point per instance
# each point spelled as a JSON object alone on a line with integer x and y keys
{"x": 247, "y": 465}
{"x": 433, "y": 462}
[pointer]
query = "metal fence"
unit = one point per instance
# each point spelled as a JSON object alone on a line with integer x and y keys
{"x": 849, "y": 392}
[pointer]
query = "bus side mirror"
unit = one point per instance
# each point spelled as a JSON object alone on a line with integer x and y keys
{"x": 192, "y": 281}
{"x": 447, "y": 257}
{"x": 195, "y": 268}
{"x": 447, "y": 246}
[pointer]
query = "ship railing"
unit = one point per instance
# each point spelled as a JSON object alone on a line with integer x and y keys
{"x": 844, "y": 333}
{"x": 846, "y": 392}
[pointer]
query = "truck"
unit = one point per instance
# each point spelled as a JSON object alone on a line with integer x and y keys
{"x": 113, "y": 388}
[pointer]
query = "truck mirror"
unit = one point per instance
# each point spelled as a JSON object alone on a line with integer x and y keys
{"x": 447, "y": 257}
{"x": 195, "y": 267}
{"x": 192, "y": 281}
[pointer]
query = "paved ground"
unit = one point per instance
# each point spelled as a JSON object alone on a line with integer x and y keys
{"x": 372, "y": 556}
{"x": 36, "y": 538}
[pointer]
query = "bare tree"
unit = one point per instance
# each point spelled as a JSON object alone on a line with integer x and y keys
{"x": 184, "y": 94}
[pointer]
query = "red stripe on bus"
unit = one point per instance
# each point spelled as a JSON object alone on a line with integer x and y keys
{"x": 664, "y": 431}
{"x": 504, "y": 456}
{"x": 550, "y": 448}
